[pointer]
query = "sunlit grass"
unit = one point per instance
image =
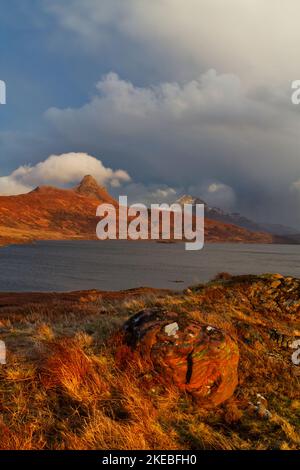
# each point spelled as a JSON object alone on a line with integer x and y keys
{"x": 64, "y": 386}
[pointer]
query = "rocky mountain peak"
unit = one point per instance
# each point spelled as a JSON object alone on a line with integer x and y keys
{"x": 88, "y": 184}
{"x": 187, "y": 199}
{"x": 90, "y": 187}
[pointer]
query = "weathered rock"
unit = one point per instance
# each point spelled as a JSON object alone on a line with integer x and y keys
{"x": 198, "y": 358}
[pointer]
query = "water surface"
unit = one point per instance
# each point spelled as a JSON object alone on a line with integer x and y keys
{"x": 116, "y": 265}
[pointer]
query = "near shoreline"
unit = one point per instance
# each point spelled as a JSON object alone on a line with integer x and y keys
{"x": 63, "y": 387}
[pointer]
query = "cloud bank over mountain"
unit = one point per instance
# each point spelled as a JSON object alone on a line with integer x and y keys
{"x": 60, "y": 170}
{"x": 209, "y": 131}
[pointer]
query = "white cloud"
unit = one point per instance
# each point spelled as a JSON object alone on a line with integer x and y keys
{"x": 212, "y": 99}
{"x": 121, "y": 114}
{"x": 60, "y": 170}
{"x": 10, "y": 186}
{"x": 219, "y": 195}
{"x": 179, "y": 129}
{"x": 164, "y": 193}
{"x": 150, "y": 194}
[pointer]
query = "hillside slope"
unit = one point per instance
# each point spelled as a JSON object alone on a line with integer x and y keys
{"x": 49, "y": 213}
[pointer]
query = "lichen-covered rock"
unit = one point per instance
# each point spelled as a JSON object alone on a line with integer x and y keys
{"x": 198, "y": 358}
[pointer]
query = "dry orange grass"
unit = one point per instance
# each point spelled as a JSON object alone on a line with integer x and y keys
{"x": 65, "y": 385}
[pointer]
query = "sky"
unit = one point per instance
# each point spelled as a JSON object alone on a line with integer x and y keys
{"x": 157, "y": 99}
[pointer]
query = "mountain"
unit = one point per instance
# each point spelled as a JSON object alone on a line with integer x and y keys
{"x": 49, "y": 213}
{"x": 281, "y": 232}
{"x": 90, "y": 188}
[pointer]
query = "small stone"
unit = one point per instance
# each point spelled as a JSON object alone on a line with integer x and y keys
{"x": 171, "y": 329}
{"x": 276, "y": 284}
{"x": 263, "y": 412}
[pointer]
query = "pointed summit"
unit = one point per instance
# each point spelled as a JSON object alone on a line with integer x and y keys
{"x": 89, "y": 187}
{"x": 88, "y": 184}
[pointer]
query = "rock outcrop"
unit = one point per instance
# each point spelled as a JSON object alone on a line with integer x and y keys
{"x": 198, "y": 358}
{"x": 90, "y": 188}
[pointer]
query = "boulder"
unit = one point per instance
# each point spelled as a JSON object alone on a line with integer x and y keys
{"x": 199, "y": 358}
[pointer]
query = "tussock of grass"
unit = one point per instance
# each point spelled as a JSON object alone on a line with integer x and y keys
{"x": 64, "y": 386}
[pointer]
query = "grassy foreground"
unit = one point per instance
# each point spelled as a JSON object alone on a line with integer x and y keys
{"x": 63, "y": 386}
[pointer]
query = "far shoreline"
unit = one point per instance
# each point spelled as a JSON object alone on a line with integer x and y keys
{"x": 162, "y": 242}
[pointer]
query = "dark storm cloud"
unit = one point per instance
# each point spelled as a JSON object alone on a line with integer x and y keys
{"x": 193, "y": 134}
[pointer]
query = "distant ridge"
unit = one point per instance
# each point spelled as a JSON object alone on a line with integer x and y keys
{"x": 217, "y": 214}
{"x": 50, "y": 213}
